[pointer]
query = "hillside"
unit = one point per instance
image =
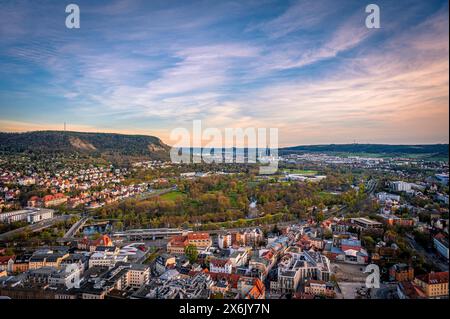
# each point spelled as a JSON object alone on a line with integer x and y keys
{"x": 95, "y": 144}
{"x": 431, "y": 150}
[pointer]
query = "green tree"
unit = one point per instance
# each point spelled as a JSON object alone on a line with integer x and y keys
{"x": 191, "y": 253}
{"x": 320, "y": 217}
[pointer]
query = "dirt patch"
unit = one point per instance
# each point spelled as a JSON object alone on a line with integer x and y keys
{"x": 78, "y": 143}
{"x": 155, "y": 148}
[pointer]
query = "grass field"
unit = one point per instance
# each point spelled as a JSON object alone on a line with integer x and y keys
{"x": 302, "y": 172}
{"x": 172, "y": 195}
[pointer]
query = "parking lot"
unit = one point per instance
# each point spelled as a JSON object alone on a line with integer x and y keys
{"x": 348, "y": 272}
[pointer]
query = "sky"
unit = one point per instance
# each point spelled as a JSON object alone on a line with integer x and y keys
{"x": 312, "y": 69}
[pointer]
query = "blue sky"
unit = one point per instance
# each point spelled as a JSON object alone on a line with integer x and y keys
{"x": 310, "y": 68}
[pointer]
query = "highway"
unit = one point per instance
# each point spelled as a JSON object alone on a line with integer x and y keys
{"x": 36, "y": 227}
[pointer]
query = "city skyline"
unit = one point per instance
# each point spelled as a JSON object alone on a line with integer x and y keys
{"x": 312, "y": 70}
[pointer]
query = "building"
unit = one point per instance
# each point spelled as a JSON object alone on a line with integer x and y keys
{"x": 40, "y": 276}
{"x": 64, "y": 277}
{"x": 401, "y": 272}
{"x": 393, "y": 220}
{"x": 29, "y": 214}
{"x": 54, "y": 200}
{"x": 346, "y": 250}
{"x": 21, "y": 263}
{"x": 296, "y": 267}
{"x": 79, "y": 260}
{"x": 442, "y": 178}
{"x": 441, "y": 244}
{"x": 163, "y": 262}
{"x": 251, "y": 288}
{"x": 6, "y": 263}
{"x": 383, "y": 197}
{"x": 319, "y": 288}
{"x": 221, "y": 266}
{"x": 138, "y": 275}
{"x": 49, "y": 259}
{"x": 201, "y": 241}
{"x": 443, "y": 198}
{"x": 239, "y": 257}
{"x": 365, "y": 223}
{"x": 407, "y": 290}
{"x": 14, "y": 216}
{"x": 252, "y": 237}
{"x": 177, "y": 244}
{"x": 400, "y": 186}
{"x": 197, "y": 286}
{"x": 91, "y": 245}
{"x": 39, "y": 215}
{"x": 434, "y": 284}
{"x": 224, "y": 240}
{"x": 106, "y": 259}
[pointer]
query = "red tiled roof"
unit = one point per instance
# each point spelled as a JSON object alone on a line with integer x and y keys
{"x": 196, "y": 236}
{"x": 178, "y": 241}
{"x": 410, "y": 290}
{"x": 103, "y": 241}
{"x": 434, "y": 278}
{"x": 232, "y": 279}
{"x": 301, "y": 295}
{"x": 4, "y": 259}
{"x": 219, "y": 262}
{"x": 257, "y": 290}
{"x": 47, "y": 198}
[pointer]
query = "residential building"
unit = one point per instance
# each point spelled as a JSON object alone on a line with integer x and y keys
{"x": 221, "y": 266}
{"x": 177, "y": 244}
{"x": 46, "y": 260}
{"x": 440, "y": 242}
{"x": 164, "y": 262}
{"x": 365, "y": 223}
{"x": 383, "y": 197}
{"x": 400, "y": 186}
{"x": 29, "y": 214}
{"x": 401, "y": 272}
{"x": 7, "y": 262}
{"x": 106, "y": 259}
{"x": 434, "y": 284}
{"x": 319, "y": 288}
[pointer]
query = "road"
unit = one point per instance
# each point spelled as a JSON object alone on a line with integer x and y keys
{"x": 432, "y": 258}
{"x": 36, "y": 227}
{"x": 371, "y": 186}
{"x": 75, "y": 228}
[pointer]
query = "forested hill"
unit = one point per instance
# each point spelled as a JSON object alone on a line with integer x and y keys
{"x": 90, "y": 143}
{"x": 437, "y": 150}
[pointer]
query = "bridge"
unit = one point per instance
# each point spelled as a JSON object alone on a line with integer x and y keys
{"x": 75, "y": 228}
{"x": 34, "y": 228}
{"x": 151, "y": 233}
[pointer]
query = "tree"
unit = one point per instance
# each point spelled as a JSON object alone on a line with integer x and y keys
{"x": 328, "y": 234}
{"x": 320, "y": 217}
{"x": 191, "y": 253}
{"x": 118, "y": 225}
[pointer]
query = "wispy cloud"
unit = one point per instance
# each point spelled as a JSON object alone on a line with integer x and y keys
{"x": 308, "y": 67}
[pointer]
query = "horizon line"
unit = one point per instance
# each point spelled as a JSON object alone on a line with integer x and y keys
{"x": 296, "y": 145}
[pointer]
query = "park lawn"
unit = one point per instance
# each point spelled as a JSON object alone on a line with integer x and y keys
{"x": 173, "y": 196}
{"x": 302, "y": 172}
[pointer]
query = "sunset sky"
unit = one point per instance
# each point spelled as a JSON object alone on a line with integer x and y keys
{"x": 310, "y": 68}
